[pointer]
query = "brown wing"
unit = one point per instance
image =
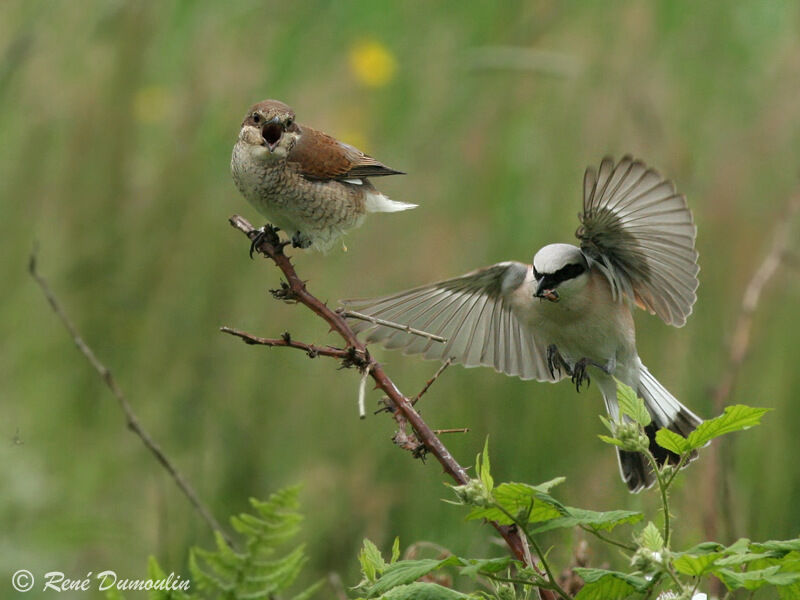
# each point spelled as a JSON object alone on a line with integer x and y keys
{"x": 319, "y": 156}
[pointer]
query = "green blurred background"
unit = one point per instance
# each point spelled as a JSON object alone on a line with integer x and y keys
{"x": 116, "y": 123}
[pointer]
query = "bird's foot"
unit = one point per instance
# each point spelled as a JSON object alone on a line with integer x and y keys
{"x": 580, "y": 370}
{"x": 555, "y": 362}
{"x": 268, "y": 233}
{"x": 300, "y": 240}
{"x": 580, "y": 373}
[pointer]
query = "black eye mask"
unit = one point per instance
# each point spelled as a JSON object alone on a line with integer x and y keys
{"x": 552, "y": 280}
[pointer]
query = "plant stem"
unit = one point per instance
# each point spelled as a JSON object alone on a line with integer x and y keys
{"x": 532, "y": 541}
{"x": 662, "y": 486}
{"x": 608, "y": 540}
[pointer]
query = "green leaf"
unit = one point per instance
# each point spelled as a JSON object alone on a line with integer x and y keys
{"x": 631, "y": 405}
{"x": 650, "y": 538}
{"x": 407, "y": 571}
{"x": 472, "y": 567}
{"x": 674, "y": 442}
{"x": 778, "y": 545}
{"x": 735, "y": 418}
{"x": 611, "y": 440}
{"x": 156, "y": 573}
{"x": 598, "y": 521}
{"x": 527, "y": 502}
{"x": 483, "y": 467}
{"x": 695, "y": 564}
{"x": 424, "y": 591}
{"x": 752, "y": 580}
{"x": 372, "y": 562}
{"x": 608, "y": 585}
{"x": 395, "y": 550}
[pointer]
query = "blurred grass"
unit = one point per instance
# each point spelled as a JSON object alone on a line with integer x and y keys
{"x": 116, "y": 124}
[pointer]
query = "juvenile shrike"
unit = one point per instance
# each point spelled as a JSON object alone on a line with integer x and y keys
{"x": 570, "y": 312}
{"x": 309, "y": 184}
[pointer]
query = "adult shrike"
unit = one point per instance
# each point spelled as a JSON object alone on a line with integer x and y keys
{"x": 570, "y": 312}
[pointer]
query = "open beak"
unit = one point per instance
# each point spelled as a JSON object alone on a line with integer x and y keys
{"x": 546, "y": 293}
{"x": 271, "y": 132}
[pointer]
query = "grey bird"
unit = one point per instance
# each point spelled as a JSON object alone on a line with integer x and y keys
{"x": 570, "y": 312}
{"x": 303, "y": 181}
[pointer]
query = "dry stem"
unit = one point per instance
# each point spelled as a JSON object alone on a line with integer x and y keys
{"x": 351, "y": 314}
{"x": 718, "y": 509}
{"x": 131, "y": 420}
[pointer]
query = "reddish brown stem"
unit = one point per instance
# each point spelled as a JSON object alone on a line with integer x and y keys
{"x": 295, "y": 290}
{"x": 286, "y": 342}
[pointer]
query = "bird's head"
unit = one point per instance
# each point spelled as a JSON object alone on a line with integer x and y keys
{"x": 269, "y": 129}
{"x": 561, "y": 270}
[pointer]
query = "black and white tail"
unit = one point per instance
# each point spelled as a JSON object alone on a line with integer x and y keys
{"x": 666, "y": 412}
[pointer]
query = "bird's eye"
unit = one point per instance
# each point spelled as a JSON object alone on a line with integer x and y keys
{"x": 256, "y": 118}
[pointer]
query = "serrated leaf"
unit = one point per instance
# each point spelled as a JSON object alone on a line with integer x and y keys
{"x": 424, "y": 591}
{"x": 752, "y": 580}
{"x": 631, "y": 405}
{"x": 608, "y": 585}
{"x": 532, "y": 502}
{"x": 674, "y": 442}
{"x": 472, "y": 567}
{"x": 598, "y": 521}
{"x": 695, "y": 564}
{"x": 735, "y": 418}
{"x": 405, "y": 572}
{"x": 372, "y": 562}
{"x": 650, "y": 538}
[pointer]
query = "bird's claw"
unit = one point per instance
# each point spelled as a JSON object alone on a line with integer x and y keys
{"x": 267, "y": 232}
{"x": 580, "y": 374}
{"x": 555, "y": 362}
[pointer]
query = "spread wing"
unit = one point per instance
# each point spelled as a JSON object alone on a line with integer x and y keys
{"x": 319, "y": 156}
{"x": 473, "y": 312}
{"x": 641, "y": 234}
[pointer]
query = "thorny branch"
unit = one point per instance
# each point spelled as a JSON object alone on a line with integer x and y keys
{"x": 131, "y": 420}
{"x": 423, "y": 440}
{"x": 351, "y": 314}
{"x": 431, "y": 381}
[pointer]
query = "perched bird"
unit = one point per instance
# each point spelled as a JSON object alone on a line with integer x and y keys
{"x": 304, "y": 181}
{"x": 570, "y": 312}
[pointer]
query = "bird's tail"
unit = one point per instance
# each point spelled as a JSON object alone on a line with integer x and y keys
{"x": 666, "y": 412}
{"x": 377, "y": 202}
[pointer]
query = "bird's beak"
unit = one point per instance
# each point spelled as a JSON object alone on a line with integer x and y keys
{"x": 272, "y": 131}
{"x": 546, "y": 293}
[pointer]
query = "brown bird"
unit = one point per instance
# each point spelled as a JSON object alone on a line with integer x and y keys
{"x": 305, "y": 182}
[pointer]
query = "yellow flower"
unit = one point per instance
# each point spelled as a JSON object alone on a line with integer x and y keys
{"x": 372, "y": 64}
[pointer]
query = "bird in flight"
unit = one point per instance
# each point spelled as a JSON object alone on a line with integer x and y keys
{"x": 303, "y": 181}
{"x": 569, "y": 314}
